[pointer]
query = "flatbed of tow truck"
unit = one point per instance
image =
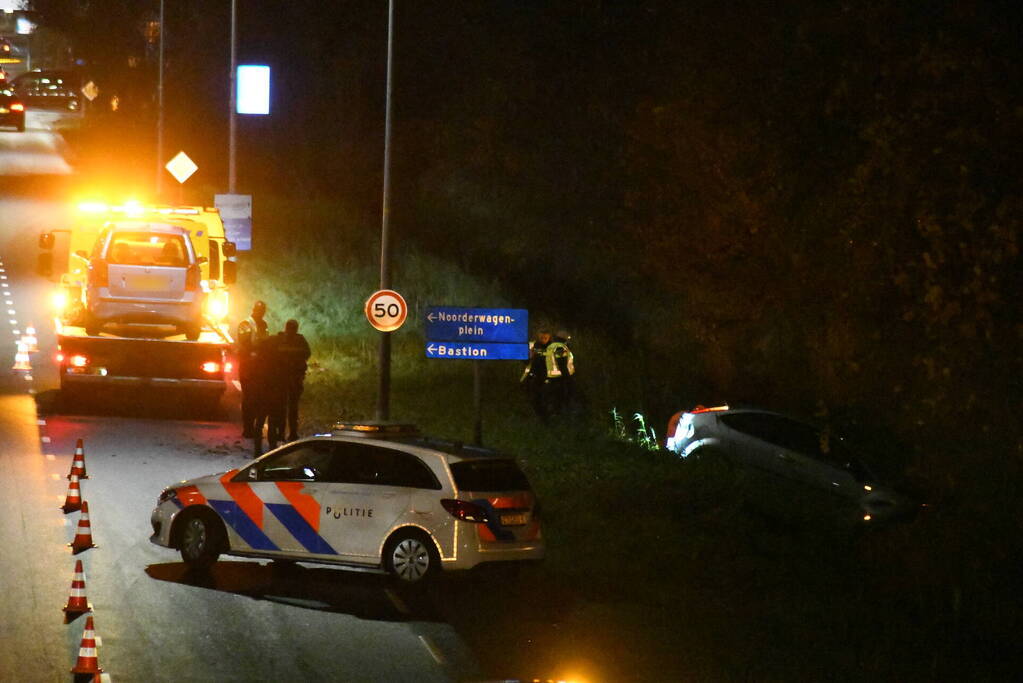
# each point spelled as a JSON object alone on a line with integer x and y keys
{"x": 142, "y": 356}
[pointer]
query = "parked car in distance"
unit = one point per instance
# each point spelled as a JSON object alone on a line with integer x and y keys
{"x": 814, "y": 470}
{"x": 12, "y": 110}
{"x": 48, "y": 90}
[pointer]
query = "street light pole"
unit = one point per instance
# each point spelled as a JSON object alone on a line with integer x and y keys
{"x": 231, "y": 177}
{"x": 159, "y": 113}
{"x": 384, "y": 389}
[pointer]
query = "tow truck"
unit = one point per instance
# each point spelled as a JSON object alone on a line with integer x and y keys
{"x": 125, "y": 318}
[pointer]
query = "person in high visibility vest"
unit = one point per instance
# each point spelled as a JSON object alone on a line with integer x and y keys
{"x": 560, "y": 366}
{"x": 534, "y": 375}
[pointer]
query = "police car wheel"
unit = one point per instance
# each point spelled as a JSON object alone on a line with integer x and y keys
{"x": 410, "y": 557}
{"x": 200, "y": 542}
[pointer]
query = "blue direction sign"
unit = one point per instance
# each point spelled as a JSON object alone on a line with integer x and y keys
{"x": 476, "y": 350}
{"x": 451, "y": 323}
{"x": 477, "y": 333}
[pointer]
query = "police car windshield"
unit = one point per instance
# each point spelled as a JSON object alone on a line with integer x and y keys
{"x": 490, "y": 474}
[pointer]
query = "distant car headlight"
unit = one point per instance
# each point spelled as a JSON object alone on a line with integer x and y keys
{"x": 167, "y": 494}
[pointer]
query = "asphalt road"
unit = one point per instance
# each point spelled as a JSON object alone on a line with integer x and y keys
{"x": 248, "y": 620}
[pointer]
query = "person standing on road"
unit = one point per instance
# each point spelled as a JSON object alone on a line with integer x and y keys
{"x": 268, "y": 395}
{"x": 251, "y": 332}
{"x": 292, "y": 358}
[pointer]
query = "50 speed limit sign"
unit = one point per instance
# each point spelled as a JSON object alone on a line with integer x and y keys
{"x": 386, "y": 310}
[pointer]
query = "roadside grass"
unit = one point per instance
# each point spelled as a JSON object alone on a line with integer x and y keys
{"x": 684, "y": 575}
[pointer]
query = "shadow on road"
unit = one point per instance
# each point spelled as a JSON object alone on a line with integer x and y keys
{"x": 511, "y": 619}
{"x": 138, "y": 403}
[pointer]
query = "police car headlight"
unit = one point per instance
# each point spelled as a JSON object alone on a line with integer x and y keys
{"x": 167, "y": 494}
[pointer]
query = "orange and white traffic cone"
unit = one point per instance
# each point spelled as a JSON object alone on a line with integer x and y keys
{"x": 83, "y": 537}
{"x": 30, "y": 340}
{"x": 78, "y": 464}
{"x": 73, "y": 499}
{"x": 77, "y": 603}
{"x": 21, "y": 359}
{"x": 88, "y": 661}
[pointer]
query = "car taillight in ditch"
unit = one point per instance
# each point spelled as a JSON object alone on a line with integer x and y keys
{"x": 98, "y": 273}
{"x": 192, "y": 277}
{"x": 465, "y": 511}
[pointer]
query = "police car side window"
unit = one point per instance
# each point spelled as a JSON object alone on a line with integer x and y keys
{"x": 378, "y": 466}
{"x": 309, "y": 461}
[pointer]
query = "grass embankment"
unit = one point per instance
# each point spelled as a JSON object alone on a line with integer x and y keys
{"x": 669, "y": 573}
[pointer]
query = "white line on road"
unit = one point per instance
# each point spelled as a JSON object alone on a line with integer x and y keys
{"x": 44, "y": 439}
{"x": 237, "y": 384}
{"x": 432, "y": 649}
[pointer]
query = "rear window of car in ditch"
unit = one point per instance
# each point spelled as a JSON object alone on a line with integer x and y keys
{"x": 489, "y": 475}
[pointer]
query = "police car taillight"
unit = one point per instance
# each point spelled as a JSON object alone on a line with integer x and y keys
{"x": 464, "y": 510}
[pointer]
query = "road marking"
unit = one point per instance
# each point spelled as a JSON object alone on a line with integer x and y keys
{"x": 28, "y": 378}
{"x": 41, "y": 422}
{"x": 432, "y": 649}
{"x": 44, "y": 439}
{"x": 51, "y": 456}
{"x": 11, "y": 311}
{"x": 237, "y": 384}
{"x": 55, "y": 476}
{"x": 398, "y": 603}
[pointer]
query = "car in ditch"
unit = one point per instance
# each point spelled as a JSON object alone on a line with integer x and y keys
{"x": 814, "y": 471}
{"x": 378, "y": 497}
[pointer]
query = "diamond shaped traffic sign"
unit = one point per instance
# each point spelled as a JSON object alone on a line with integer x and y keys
{"x": 181, "y": 167}
{"x": 90, "y": 91}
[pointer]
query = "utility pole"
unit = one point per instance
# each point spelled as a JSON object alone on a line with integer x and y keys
{"x": 384, "y": 389}
{"x": 159, "y": 113}
{"x": 231, "y": 176}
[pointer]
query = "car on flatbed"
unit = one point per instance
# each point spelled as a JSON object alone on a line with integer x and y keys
{"x": 378, "y": 497}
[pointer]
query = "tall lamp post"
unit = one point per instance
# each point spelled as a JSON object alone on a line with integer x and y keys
{"x": 159, "y": 113}
{"x": 233, "y": 99}
{"x": 384, "y": 389}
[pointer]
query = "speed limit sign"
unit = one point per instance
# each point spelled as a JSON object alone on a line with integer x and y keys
{"x": 386, "y": 310}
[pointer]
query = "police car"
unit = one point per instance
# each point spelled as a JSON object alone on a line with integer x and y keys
{"x": 371, "y": 496}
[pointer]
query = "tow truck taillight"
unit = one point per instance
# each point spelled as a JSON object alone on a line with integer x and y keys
{"x": 211, "y": 367}
{"x": 17, "y": 106}
{"x": 98, "y": 273}
{"x": 464, "y": 510}
{"x": 78, "y": 361}
{"x": 192, "y": 277}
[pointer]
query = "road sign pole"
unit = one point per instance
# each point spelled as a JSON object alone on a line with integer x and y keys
{"x": 384, "y": 388}
{"x": 477, "y": 403}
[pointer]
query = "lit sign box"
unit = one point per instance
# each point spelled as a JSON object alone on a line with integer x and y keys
{"x": 253, "y": 89}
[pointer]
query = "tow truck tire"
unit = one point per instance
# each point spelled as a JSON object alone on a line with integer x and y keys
{"x": 201, "y": 539}
{"x": 411, "y": 557}
{"x": 192, "y": 332}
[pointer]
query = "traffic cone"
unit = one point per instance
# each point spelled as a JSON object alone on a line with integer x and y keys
{"x": 73, "y": 499}
{"x": 77, "y": 603}
{"x": 21, "y": 360}
{"x": 88, "y": 661}
{"x": 30, "y": 340}
{"x": 83, "y": 537}
{"x": 78, "y": 464}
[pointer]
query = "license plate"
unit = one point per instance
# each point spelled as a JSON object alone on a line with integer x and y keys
{"x": 513, "y": 519}
{"x": 146, "y": 283}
